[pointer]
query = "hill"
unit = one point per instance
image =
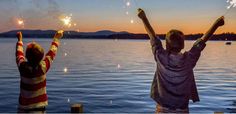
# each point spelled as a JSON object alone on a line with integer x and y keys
{"x": 104, "y": 34}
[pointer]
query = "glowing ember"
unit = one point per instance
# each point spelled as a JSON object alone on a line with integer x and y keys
{"x": 132, "y": 21}
{"x": 65, "y": 70}
{"x": 118, "y": 66}
{"x": 232, "y": 3}
{"x": 128, "y": 4}
{"x": 67, "y": 21}
{"x": 20, "y": 22}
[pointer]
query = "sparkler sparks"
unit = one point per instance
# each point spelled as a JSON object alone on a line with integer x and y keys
{"x": 20, "y": 22}
{"x": 65, "y": 70}
{"x": 131, "y": 21}
{"x": 128, "y": 4}
{"x": 232, "y": 3}
{"x": 67, "y": 20}
{"x": 118, "y": 66}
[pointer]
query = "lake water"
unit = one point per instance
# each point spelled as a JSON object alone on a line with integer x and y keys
{"x": 116, "y": 75}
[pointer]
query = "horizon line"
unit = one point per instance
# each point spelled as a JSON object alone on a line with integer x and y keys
{"x": 105, "y": 30}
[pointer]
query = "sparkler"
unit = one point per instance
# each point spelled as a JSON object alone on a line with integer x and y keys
{"x": 20, "y": 22}
{"x": 232, "y": 4}
{"x": 67, "y": 21}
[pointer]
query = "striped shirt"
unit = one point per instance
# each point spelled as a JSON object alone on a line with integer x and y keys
{"x": 33, "y": 80}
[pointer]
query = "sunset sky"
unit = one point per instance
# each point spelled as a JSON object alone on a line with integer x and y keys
{"x": 190, "y": 16}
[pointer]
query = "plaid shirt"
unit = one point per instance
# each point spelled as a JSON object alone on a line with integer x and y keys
{"x": 174, "y": 83}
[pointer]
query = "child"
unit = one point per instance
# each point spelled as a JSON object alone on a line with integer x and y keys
{"x": 174, "y": 84}
{"x": 33, "y": 97}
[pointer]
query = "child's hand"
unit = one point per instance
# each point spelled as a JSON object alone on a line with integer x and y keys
{"x": 220, "y": 21}
{"x": 59, "y": 34}
{"x": 141, "y": 13}
{"x": 19, "y": 36}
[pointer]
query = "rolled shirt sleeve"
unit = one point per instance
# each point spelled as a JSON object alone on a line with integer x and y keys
{"x": 195, "y": 51}
{"x": 156, "y": 46}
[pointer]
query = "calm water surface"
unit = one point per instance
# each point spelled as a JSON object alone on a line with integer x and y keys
{"x": 115, "y": 76}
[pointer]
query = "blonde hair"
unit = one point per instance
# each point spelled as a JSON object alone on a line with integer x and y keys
{"x": 34, "y": 53}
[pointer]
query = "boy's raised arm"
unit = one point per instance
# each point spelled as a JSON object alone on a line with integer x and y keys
{"x": 155, "y": 41}
{"x": 148, "y": 27}
{"x": 50, "y": 56}
{"x": 19, "y": 49}
{"x": 219, "y": 22}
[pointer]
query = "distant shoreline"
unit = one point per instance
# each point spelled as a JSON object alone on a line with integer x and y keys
{"x": 106, "y": 34}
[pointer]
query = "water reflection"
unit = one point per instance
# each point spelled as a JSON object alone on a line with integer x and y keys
{"x": 115, "y": 76}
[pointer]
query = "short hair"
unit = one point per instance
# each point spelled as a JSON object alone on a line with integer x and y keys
{"x": 175, "y": 40}
{"x": 34, "y": 53}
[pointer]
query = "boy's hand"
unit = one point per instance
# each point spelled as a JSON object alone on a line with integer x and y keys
{"x": 59, "y": 34}
{"x": 220, "y": 21}
{"x": 141, "y": 13}
{"x": 19, "y": 36}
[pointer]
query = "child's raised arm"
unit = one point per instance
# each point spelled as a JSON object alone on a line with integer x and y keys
{"x": 219, "y": 22}
{"x": 50, "y": 56}
{"x": 155, "y": 41}
{"x": 19, "y": 49}
{"x": 148, "y": 27}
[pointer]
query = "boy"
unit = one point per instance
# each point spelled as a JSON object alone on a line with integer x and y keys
{"x": 33, "y": 97}
{"x": 174, "y": 84}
